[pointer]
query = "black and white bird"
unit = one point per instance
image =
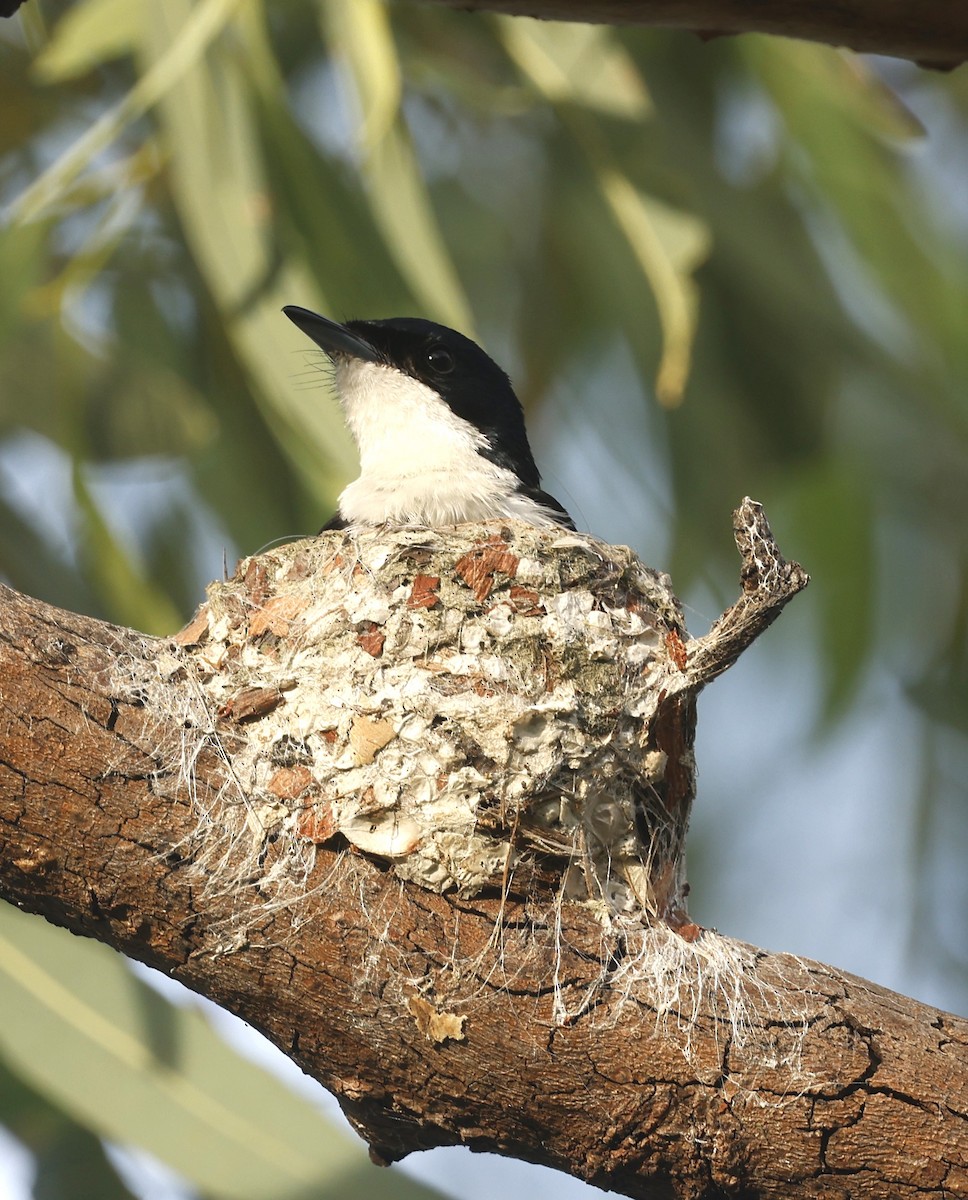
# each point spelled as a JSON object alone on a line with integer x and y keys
{"x": 438, "y": 427}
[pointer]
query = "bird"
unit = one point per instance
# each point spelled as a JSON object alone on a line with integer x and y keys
{"x": 439, "y": 430}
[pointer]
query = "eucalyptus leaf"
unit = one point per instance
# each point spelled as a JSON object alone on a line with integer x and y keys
{"x": 80, "y": 1028}
{"x": 402, "y": 209}
{"x": 88, "y": 34}
{"x": 667, "y": 245}
{"x": 22, "y": 258}
{"x": 591, "y": 68}
{"x": 362, "y": 32}
{"x": 219, "y": 187}
{"x": 34, "y": 564}
{"x": 397, "y": 194}
{"x": 202, "y": 24}
{"x": 69, "y": 1160}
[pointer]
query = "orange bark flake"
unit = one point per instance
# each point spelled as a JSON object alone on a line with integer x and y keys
{"x": 316, "y": 823}
{"x": 289, "y": 782}
{"x": 479, "y": 566}
{"x": 525, "y": 601}
{"x": 677, "y": 649}
{"x": 424, "y": 591}
{"x": 195, "y": 630}
{"x": 690, "y": 931}
{"x": 435, "y": 1025}
{"x": 276, "y": 616}
{"x": 371, "y": 637}
{"x": 368, "y": 737}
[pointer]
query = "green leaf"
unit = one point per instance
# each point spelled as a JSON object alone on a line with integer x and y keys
{"x": 22, "y": 256}
{"x": 362, "y": 32}
{"x": 402, "y": 208}
{"x": 87, "y": 35}
{"x": 396, "y": 190}
{"x": 940, "y": 691}
{"x": 848, "y": 146}
{"x": 584, "y": 65}
{"x": 188, "y": 43}
{"x": 32, "y": 565}
{"x": 83, "y": 1030}
{"x": 667, "y": 244}
{"x": 70, "y": 1162}
{"x": 219, "y": 186}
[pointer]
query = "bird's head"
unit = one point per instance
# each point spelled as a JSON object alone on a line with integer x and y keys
{"x": 409, "y": 374}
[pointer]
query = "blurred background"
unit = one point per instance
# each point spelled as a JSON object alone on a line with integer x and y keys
{"x": 711, "y": 269}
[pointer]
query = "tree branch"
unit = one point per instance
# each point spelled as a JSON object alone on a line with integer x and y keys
{"x": 590, "y": 1038}
{"x": 933, "y": 33}
{"x": 768, "y": 581}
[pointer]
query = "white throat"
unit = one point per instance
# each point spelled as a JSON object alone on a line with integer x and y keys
{"x": 420, "y": 464}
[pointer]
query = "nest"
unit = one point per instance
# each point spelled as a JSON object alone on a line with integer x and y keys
{"x": 481, "y": 708}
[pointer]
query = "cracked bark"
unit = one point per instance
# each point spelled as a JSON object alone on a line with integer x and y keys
{"x": 933, "y": 33}
{"x": 840, "y": 1089}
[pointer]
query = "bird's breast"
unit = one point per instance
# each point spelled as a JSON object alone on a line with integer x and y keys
{"x": 440, "y": 497}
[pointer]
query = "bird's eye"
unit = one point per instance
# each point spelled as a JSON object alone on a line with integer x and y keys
{"x": 440, "y": 361}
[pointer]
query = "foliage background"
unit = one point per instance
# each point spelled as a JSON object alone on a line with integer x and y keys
{"x": 712, "y": 269}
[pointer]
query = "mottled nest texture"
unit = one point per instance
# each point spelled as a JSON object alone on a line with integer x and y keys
{"x": 487, "y": 708}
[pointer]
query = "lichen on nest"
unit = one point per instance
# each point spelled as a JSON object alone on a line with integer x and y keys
{"x": 477, "y": 707}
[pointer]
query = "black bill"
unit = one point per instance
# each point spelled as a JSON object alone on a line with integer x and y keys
{"x": 329, "y": 335}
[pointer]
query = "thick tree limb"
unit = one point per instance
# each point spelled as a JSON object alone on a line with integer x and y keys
{"x": 705, "y": 1068}
{"x": 933, "y": 33}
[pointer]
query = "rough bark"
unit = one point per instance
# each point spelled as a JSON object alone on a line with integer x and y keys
{"x": 429, "y": 1029}
{"x": 933, "y": 33}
